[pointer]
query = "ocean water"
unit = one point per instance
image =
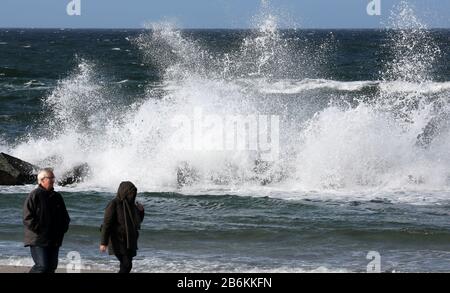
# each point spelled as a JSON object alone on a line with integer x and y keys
{"x": 363, "y": 164}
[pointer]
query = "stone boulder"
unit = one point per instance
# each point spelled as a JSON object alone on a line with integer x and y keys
{"x": 14, "y": 171}
{"x": 76, "y": 175}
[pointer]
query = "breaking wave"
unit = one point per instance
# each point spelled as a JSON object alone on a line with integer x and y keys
{"x": 397, "y": 137}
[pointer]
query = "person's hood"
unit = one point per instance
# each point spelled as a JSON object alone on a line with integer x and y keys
{"x": 127, "y": 191}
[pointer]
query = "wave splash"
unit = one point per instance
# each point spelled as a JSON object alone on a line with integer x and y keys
{"x": 397, "y": 139}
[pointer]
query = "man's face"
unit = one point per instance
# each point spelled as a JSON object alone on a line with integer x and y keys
{"x": 48, "y": 181}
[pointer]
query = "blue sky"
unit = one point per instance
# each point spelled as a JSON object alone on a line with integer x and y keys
{"x": 210, "y": 13}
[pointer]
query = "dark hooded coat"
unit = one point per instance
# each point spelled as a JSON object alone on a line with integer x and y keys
{"x": 122, "y": 221}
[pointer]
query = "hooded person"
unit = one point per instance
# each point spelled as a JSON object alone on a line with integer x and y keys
{"x": 121, "y": 224}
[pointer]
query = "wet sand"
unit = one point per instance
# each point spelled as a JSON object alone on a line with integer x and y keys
{"x": 20, "y": 269}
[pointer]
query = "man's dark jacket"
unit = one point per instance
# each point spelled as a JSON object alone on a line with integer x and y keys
{"x": 45, "y": 218}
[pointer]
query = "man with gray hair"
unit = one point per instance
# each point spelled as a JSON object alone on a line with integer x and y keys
{"x": 46, "y": 221}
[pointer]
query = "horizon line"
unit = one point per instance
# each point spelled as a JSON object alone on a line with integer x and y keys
{"x": 218, "y": 28}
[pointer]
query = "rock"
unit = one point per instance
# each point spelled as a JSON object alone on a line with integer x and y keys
{"x": 267, "y": 172}
{"x": 186, "y": 175}
{"x": 76, "y": 175}
{"x": 416, "y": 180}
{"x": 437, "y": 125}
{"x": 14, "y": 171}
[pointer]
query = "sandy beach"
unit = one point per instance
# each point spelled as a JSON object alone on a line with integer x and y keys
{"x": 20, "y": 269}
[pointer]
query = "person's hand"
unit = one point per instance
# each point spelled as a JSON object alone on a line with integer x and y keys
{"x": 140, "y": 207}
{"x": 103, "y": 248}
